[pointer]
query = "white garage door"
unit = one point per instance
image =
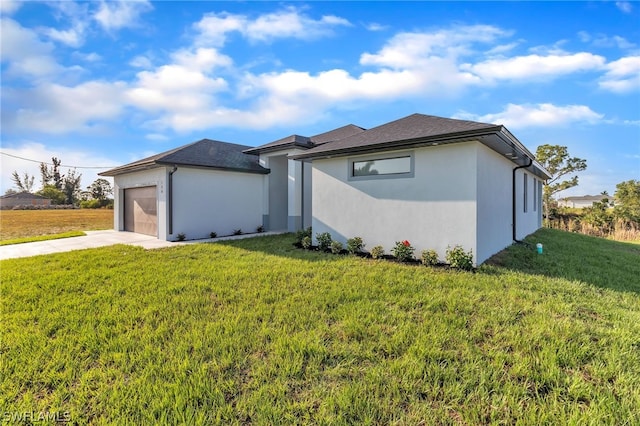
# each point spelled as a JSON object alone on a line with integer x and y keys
{"x": 140, "y": 210}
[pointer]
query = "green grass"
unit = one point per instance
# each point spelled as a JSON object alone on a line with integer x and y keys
{"x": 33, "y": 223}
{"x": 256, "y": 332}
{"x": 42, "y": 238}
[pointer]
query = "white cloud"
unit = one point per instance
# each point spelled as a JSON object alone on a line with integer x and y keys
{"x": 141, "y": 61}
{"x": 406, "y": 50}
{"x": 288, "y": 23}
{"x": 115, "y": 15}
{"x": 374, "y": 26}
{"x": 624, "y": 6}
{"x": 537, "y": 115}
{"x": 534, "y": 66}
{"x": 7, "y": 7}
{"x": 26, "y": 54}
{"x": 622, "y": 76}
{"x": 180, "y": 90}
{"x": 54, "y": 108}
{"x": 73, "y": 37}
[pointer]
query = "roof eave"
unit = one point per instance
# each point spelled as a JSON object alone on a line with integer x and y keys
{"x": 262, "y": 150}
{"x": 129, "y": 169}
{"x": 407, "y": 143}
{"x": 262, "y": 171}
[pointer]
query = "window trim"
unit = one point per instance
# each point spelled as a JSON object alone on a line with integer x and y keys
{"x": 379, "y": 157}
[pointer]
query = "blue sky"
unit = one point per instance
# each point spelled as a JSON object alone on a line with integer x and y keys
{"x": 105, "y": 83}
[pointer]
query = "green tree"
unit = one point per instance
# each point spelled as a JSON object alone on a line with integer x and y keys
{"x": 100, "y": 189}
{"x": 54, "y": 194}
{"x": 556, "y": 160}
{"x": 71, "y": 186}
{"x": 51, "y": 175}
{"x": 24, "y": 183}
{"x": 627, "y": 200}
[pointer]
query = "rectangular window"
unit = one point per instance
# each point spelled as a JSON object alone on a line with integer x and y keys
{"x": 526, "y": 195}
{"x": 382, "y": 167}
{"x": 535, "y": 195}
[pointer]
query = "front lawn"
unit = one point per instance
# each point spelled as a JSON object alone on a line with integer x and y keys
{"x": 257, "y": 332}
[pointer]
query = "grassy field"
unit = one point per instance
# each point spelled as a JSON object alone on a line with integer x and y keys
{"x": 15, "y": 224}
{"x": 257, "y": 332}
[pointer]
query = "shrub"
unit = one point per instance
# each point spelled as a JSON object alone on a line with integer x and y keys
{"x": 324, "y": 241}
{"x": 403, "y": 251}
{"x": 90, "y": 204}
{"x": 377, "y": 252}
{"x": 459, "y": 259}
{"x": 260, "y": 229}
{"x": 237, "y": 232}
{"x": 429, "y": 257}
{"x": 213, "y": 234}
{"x": 355, "y": 245}
{"x": 336, "y": 247}
{"x": 182, "y": 236}
{"x": 306, "y": 242}
{"x": 302, "y": 233}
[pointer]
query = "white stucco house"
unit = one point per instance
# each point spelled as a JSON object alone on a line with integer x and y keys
{"x": 581, "y": 202}
{"x": 434, "y": 181}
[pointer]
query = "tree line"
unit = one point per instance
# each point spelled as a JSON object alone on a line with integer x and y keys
{"x": 64, "y": 188}
{"x": 617, "y": 216}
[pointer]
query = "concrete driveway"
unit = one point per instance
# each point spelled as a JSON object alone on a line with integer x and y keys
{"x": 91, "y": 240}
{"x": 105, "y": 238}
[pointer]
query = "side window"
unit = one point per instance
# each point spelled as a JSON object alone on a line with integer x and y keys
{"x": 535, "y": 194}
{"x": 379, "y": 167}
{"x": 525, "y": 193}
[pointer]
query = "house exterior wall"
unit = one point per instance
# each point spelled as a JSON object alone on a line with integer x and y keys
{"x": 153, "y": 177}
{"x": 433, "y": 209}
{"x": 206, "y": 201}
{"x": 288, "y": 189}
{"x": 527, "y": 221}
{"x": 494, "y": 213}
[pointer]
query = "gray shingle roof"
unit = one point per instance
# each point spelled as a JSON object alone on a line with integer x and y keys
{"x": 336, "y": 134}
{"x": 24, "y": 195}
{"x": 306, "y": 142}
{"x": 289, "y": 141}
{"x": 204, "y": 153}
{"x": 415, "y": 127}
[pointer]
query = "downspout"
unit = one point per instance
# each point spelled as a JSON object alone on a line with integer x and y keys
{"x": 513, "y": 198}
{"x": 170, "y": 198}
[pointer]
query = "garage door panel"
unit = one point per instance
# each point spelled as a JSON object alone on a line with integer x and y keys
{"x": 141, "y": 215}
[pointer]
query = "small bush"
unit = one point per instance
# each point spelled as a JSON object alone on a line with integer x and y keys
{"x": 324, "y": 241}
{"x": 182, "y": 236}
{"x": 213, "y": 234}
{"x": 355, "y": 245}
{"x": 336, "y": 247}
{"x": 306, "y": 242}
{"x": 301, "y": 234}
{"x": 377, "y": 252}
{"x": 403, "y": 251}
{"x": 90, "y": 204}
{"x": 237, "y": 232}
{"x": 459, "y": 259}
{"x": 429, "y": 257}
{"x": 260, "y": 229}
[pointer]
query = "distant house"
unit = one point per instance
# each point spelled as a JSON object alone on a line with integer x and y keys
{"x": 434, "y": 181}
{"x": 24, "y": 198}
{"x": 581, "y": 202}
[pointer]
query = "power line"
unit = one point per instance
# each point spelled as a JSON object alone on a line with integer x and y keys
{"x": 61, "y": 165}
